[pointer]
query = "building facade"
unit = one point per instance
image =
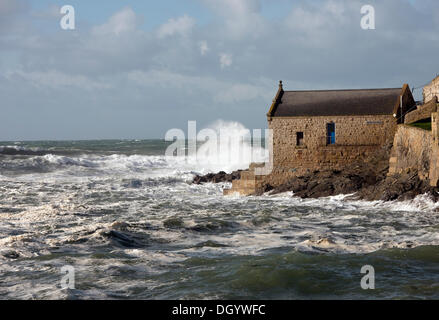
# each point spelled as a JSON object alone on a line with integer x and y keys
{"x": 327, "y": 129}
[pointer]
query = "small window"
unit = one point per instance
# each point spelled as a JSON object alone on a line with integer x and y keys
{"x": 299, "y": 138}
{"x": 330, "y": 133}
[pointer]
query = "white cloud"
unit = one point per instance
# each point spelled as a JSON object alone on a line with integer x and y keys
{"x": 309, "y": 17}
{"x": 316, "y": 46}
{"x": 121, "y": 22}
{"x": 237, "y": 8}
{"x": 182, "y": 26}
{"x": 241, "y": 18}
{"x": 204, "y": 48}
{"x": 222, "y": 91}
{"x": 226, "y": 60}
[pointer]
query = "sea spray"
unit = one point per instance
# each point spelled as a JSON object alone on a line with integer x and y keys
{"x": 221, "y": 146}
{"x": 233, "y": 149}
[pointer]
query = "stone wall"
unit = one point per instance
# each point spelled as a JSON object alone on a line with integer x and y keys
{"x": 412, "y": 149}
{"x": 422, "y": 112}
{"x": 357, "y": 137}
{"x": 431, "y": 90}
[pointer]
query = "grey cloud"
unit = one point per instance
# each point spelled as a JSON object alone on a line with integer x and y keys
{"x": 118, "y": 80}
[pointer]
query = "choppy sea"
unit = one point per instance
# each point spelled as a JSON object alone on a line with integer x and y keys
{"x": 130, "y": 223}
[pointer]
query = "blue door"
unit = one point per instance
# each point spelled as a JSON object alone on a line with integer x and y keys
{"x": 330, "y": 136}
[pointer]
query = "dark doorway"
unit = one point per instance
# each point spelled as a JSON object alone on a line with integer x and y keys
{"x": 330, "y": 133}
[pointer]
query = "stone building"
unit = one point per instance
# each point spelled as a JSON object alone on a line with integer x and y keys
{"x": 417, "y": 149}
{"x": 431, "y": 90}
{"x": 326, "y": 129}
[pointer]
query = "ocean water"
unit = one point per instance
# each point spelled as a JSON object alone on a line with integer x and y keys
{"x": 130, "y": 223}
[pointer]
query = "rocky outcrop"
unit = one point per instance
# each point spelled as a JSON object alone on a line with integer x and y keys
{"x": 363, "y": 185}
{"x": 353, "y": 178}
{"x": 402, "y": 186}
{"x": 217, "y": 177}
{"x": 328, "y": 183}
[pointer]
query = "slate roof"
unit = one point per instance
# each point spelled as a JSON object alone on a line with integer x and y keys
{"x": 336, "y": 102}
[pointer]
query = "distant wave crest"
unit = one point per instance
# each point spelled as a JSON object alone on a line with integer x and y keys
{"x": 17, "y": 150}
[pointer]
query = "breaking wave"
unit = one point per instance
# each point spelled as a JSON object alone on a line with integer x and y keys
{"x": 18, "y": 150}
{"x": 154, "y": 234}
{"x": 230, "y": 147}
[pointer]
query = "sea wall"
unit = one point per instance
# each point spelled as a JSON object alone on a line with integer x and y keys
{"x": 422, "y": 112}
{"x": 417, "y": 149}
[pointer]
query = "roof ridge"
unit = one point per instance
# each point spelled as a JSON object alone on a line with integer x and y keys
{"x": 334, "y": 90}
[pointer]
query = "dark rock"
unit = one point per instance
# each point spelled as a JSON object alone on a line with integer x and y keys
{"x": 401, "y": 187}
{"x": 365, "y": 182}
{"x": 217, "y": 178}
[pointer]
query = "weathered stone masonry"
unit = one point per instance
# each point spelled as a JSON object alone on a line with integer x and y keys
{"x": 431, "y": 90}
{"x": 416, "y": 149}
{"x": 356, "y": 138}
{"x": 411, "y": 150}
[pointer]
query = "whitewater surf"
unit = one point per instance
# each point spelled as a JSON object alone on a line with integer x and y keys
{"x": 133, "y": 226}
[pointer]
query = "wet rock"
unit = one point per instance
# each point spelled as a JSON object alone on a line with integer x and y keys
{"x": 401, "y": 187}
{"x": 125, "y": 239}
{"x": 366, "y": 180}
{"x": 328, "y": 183}
{"x": 217, "y": 177}
{"x": 363, "y": 183}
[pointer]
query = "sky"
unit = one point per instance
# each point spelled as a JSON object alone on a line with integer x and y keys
{"x": 135, "y": 69}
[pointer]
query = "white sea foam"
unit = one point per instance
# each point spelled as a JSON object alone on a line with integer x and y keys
{"x": 74, "y": 204}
